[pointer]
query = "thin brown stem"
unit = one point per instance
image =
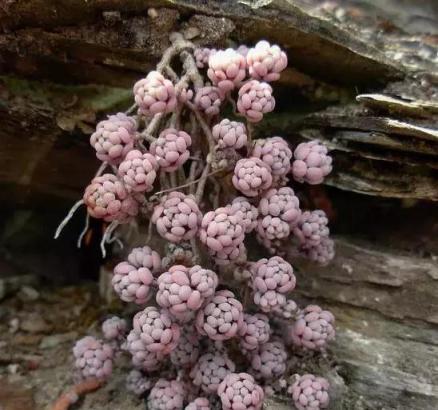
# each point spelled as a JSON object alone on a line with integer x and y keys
{"x": 202, "y": 182}
{"x": 205, "y": 127}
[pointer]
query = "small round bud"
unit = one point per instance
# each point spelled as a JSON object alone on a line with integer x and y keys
{"x": 171, "y": 149}
{"x": 137, "y": 383}
{"x": 255, "y": 99}
{"x": 154, "y": 94}
{"x": 209, "y": 99}
{"x": 114, "y": 138}
{"x": 274, "y": 152}
{"x": 252, "y": 176}
{"x": 138, "y": 171}
{"x": 266, "y": 62}
{"x": 166, "y": 395}
{"x": 187, "y": 350}
{"x": 210, "y": 370}
{"x": 227, "y": 68}
{"x": 221, "y": 317}
{"x": 255, "y": 331}
{"x": 313, "y": 329}
{"x": 239, "y": 391}
{"x": 177, "y": 217}
{"x": 142, "y": 358}
{"x": 145, "y": 257}
{"x": 107, "y": 198}
{"x": 114, "y": 328}
{"x": 246, "y": 212}
{"x": 311, "y": 162}
{"x": 93, "y": 358}
{"x": 312, "y": 228}
{"x": 269, "y": 361}
{"x": 230, "y": 134}
{"x": 202, "y": 55}
{"x": 310, "y": 392}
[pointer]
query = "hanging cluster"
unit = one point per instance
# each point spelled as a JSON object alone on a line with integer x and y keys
{"x": 205, "y": 186}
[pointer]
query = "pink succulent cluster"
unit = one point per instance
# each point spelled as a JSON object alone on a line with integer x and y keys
{"x": 272, "y": 279}
{"x": 142, "y": 358}
{"x": 246, "y": 212}
{"x": 93, "y": 358}
{"x": 255, "y": 99}
{"x": 210, "y": 370}
{"x": 313, "y": 329}
{"x": 195, "y": 320}
{"x": 274, "y": 152}
{"x": 269, "y": 360}
{"x": 183, "y": 290}
{"x": 157, "y": 330}
{"x": 312, "y": 228}
{"x": 252, "y": 176}
{"x": 209, "y": 99}
{"x": 177, "y": 217}
{"x": 114, "y": 329}
{"x": 107, "y": 198}
{"x": 145, "y": 257}
{"x": 166, "y": 395}
{"x": 239, "y": 391}
{"x": 266, "y": 61}
{"x": 230, "y": 134}
{"x": 138, "y": 171}
{"x": 311, "y": 162}
{"x": 202, "y": 55}
{"x": 322, "y": 253}
{"x": 131, "y": 283}
{"x": 155, "y": 94}
{"x": 279, "y": 211}
{"x": 187, "y": 350}
{"x": 171, "y": 149}
{"x": 310, "y": 392}
{"x": 226, "y": 69}
{"x": 137, "y": 382}
{"x": 200, "y": 403}
{"x": 223, "y": 235}
{"x": 114, "y": 138}
{"x": 254, "y": 331}
{"x": 221, "y": 317}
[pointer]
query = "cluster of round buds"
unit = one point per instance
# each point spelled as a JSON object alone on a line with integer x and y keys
{"x": 322, "y": 253}
{"x": 154, "y": 94}
{"x": 223, "y": 234}
{"x": 93, "y": 358}
{"x": 141, "y": 357}
{"x": 177, "y": 217}
{"x": 310, "y": 392}
{"x": 171, "y": 149}
{"x": 239, "y": 391}
{"x": 114, "y": 329}
{"x": 209, "y": 99}
{"x": 255, "y": 331}
{"x": 266, "y": 62}
{"x": 312, "y": 228}
{"x": 254, "y": 100}
{"x": 287, "y": 311}
{"x": 137, "y": 382}
{"x": 230, "y": 134}
{"x": 156, "y": 329}
{"x": 313, "y": 328}
{"x": 252, "y": 176}
{"x": 221, "y": 317}
{"x": 311, "y": 162}
{"x": 202, "y": 55}
{"x": 271, "y": 228}
{"x": 107, "y": 198}
{"x": 138, "y": 171}
{"x": 145, "y": 257}
{"x": 210, "y": 370}
{"x": 226, "y": 69}
{"x": 114, "y": 138}
{"x": 182, "y": 290}
{"x": 246, "y": 212}
{"x": 132, "y": 284}
{"x": 272, "y": 279}
{"x": 281, "y": 203}
{"x": 274, "y": 152}
{"x": 200, "y": 403}
{"x": 269, "y": 361}
{"x": 187, "y": 350}
{"x": 166, "y": 395}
